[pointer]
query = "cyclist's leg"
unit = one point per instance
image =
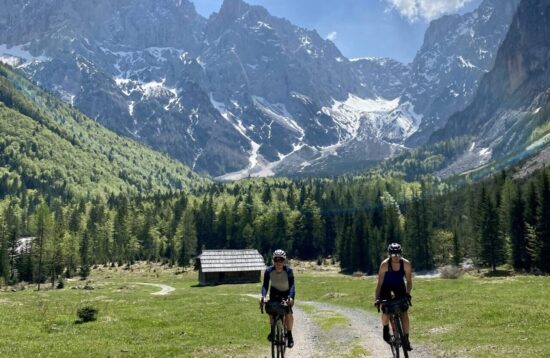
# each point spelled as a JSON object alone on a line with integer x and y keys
{"x": 271, "y": 328}
{"x": 405, "y": 321}
{"x": 386, "y": 327}
{"x": 289, "y": 321}
{"x": 385, "y": 319}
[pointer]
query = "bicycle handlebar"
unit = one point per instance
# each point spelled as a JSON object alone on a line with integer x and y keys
{"x": 284, "y": 302}
{"x": 379, "y": 302}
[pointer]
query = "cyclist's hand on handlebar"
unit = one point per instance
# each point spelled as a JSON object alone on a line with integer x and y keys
{"x": 290, "y": 301}
{"x": 409, "y": 298}
{"x": 262, "y": 303}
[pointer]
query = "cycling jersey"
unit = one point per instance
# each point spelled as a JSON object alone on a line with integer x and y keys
{"x": 282, "y": 283}
{"x": 393, "y": 282}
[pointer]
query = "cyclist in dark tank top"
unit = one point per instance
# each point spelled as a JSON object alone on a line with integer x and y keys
{"x": 393, "y": 273}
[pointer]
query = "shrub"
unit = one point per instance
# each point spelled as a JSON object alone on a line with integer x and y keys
{"x": 86, "y": 314}
{"x": 60, "y": 284}
{"x": 450, "y": 271}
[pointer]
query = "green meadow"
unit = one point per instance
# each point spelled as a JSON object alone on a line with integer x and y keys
{"x": 466, "y": 317}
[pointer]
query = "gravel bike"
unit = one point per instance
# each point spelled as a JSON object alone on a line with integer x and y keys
{"x": 277, "y": 311}
{"x": 394, "y": 308}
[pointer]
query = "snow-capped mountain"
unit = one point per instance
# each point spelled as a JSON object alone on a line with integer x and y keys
{"x": 242, "y": 92}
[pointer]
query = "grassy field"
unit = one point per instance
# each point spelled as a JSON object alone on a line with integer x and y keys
{"x": 468, "y": 317}
{"x": 190, "y": 322}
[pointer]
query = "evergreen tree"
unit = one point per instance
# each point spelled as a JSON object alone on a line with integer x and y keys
{"x": 70, "y": 252}
{"x": 43, "y": 224}
{"x": 266, "y": 195}
{"x": 85, "y": 267}
{"x": 186, "y": 235}
{"x": 279, "y": 234}
{"x": 492, "y": 247}
{"x": 543, "y": 218}
{"x": 418, "y": 233}
{"x": 518, "y": 232}
{"x": 533, "y": 248}
{"x": 456, "y": 250}
{"x": 309, "y": 231}
{"x": 4, "y": 251}
{"x": 121, "y": 234}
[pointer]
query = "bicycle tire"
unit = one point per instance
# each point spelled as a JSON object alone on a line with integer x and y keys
{"x": 401, "y": 338}
{"x": 394, "y": 349}
{"x": 273, "y": 342}
{"x": 280, "y": 338}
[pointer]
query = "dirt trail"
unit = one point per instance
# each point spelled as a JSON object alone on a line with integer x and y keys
{"x": 164, "y": 289}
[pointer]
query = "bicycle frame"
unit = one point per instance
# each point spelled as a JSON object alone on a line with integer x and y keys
{"x": 278, "y": 330}
{"x": 398, "y": 338}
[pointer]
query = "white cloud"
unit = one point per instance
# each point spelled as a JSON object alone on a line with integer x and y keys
{"x": 428, "y": 10}
{"x": 332, "y": 36}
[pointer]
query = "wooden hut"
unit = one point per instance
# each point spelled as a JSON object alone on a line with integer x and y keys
{"x": 230, "y": 266}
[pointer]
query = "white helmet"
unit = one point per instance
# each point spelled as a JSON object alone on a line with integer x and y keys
{"x": 279, "y": 253}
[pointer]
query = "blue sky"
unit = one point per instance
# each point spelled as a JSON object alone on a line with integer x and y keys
{"x": 361, "y": 28}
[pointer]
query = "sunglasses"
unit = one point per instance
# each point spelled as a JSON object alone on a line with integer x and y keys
{"x": 395, "y": 255}
{"x": 278, "y": 259}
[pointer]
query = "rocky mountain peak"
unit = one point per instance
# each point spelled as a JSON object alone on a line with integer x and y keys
{"x": 233, "y": 9}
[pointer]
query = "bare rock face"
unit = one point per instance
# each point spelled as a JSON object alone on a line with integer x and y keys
{"x": 512, "y": 104}
{"x": 457, "y": 52}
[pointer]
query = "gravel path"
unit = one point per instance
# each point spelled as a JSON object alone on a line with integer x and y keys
{"x": 164, "y": 289}
{"x": 363, "y": 332}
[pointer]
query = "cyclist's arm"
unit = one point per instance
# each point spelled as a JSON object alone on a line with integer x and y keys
{"x": 408, "y": 276}
{"x": 381, "y": 273}
{"x": 292, "y": 289}
{"x": 265, "y": 286}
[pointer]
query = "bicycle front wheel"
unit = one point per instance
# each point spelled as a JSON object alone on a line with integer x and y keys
{"x": 394, "y": 349}
{"x": 280, "y": 338}
{"x": 401, "y": 339}
{"x": 273, "y": 342}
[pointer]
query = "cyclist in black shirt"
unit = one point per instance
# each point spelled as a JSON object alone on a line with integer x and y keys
{"x": 392, "y": 286}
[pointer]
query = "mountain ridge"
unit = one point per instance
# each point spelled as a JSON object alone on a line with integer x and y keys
{"x": 266, "y": 94}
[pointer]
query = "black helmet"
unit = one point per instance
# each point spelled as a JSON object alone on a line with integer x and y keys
{"x": 394, "y": 249}
{"x": 279, "y": 253}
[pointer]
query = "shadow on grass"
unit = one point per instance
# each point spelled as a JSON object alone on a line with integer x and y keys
{"x": 499, "y": 273}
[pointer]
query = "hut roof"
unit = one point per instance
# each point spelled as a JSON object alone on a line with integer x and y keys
{"x": 231, "y": 260}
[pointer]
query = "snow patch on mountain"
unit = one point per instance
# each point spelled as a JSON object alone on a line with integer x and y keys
{"x": 278, "y": 113}
{"x": 401, "y": 123}
{"x": 350, "y": 114}
{"x": 19, "y": 55}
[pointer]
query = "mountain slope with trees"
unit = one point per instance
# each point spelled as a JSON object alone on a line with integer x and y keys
{"x": 48, "y": 145}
